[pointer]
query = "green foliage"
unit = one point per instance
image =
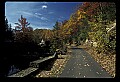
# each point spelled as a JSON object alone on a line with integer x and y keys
{"x": 112, "y": 40}
{"x": 8, "y": 31}
{"x": 99, "y": 34}
{"x": 56, "y": 39}
{"x": 108, "y": 10}
{"x": 57, "y": 26}
{"x": 99, "y": 16}
{"x": 24, "y": 37}
{"x": 37, "y": 36}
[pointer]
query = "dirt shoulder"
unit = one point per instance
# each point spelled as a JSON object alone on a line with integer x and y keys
{"x": 57, "y": 67}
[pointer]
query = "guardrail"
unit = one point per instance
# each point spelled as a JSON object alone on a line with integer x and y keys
{"x": 34, "y": 66}
{"x": 37, "y": 63}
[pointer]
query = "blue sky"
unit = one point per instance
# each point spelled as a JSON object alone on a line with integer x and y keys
{"x": 42, "y": 15}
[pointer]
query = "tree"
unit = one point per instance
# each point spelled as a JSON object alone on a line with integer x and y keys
{"x": 44, "y": 34}
{"x": 37, "y": 34}
{"x": 23, "y": 32}
{"x": 8, "y": 31}
{"x": 99, "y": 28}
{"x": 57, "y": 25}
{"x": 56, "y": 36}
{"x": 22, "y": 25}
{"x": 93, "y": 9}
{"x": 64, "y": 22}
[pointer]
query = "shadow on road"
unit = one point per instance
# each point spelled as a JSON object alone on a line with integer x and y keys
{"x": 75, "y": 48}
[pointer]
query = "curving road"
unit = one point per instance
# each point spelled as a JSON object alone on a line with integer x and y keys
{"x": 82, "y": 65}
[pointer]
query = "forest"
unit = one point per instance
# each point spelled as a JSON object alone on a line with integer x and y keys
{"x": 93, "y": 24}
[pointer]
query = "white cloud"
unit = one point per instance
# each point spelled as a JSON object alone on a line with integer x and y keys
{"x": 30, "y": 14}
{"x": 40, "y": 27}
{"x": 27, "y": 13}
{"x": 43, "y": 18}
{"x": 48, "y": 28}
{"x": 50, "y": 12}
{"x": 44, "y": 2}
{"x": 38, "y": 13}
{"x": 44, "y": 6}
{"x": 61, "y": 18}
{"x": 43, "y": 27}
{"x": 13, "y": 25}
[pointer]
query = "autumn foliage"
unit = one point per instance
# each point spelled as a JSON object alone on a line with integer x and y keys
{"x": 93, "y": 24}
{"x": 90, "y": 21}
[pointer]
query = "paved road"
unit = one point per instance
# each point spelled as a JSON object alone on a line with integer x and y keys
{"x": 82, "y": 65}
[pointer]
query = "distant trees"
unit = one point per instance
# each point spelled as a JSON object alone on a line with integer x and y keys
{"x": 57, "y": 25}
{"x": 39, "y": 34}
{"x": 56, "y": 36}
{"x": 8, "y": 31}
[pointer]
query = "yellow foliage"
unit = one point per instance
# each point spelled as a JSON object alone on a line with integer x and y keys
{"x": 84, "y": 12}
{"x": 78, "y": 12}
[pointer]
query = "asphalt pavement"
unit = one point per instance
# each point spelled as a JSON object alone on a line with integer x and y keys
{"x": 82, "y": 65}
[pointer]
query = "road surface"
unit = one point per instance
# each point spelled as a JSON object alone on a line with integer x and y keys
{"x": 82, "y": 65}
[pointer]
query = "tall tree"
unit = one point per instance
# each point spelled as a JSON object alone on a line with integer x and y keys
{"x": 8, "y": 31}
{"x": 22, "y": 25}
{"x": 57, "y": 25}
{"x": 24, "y": 33}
